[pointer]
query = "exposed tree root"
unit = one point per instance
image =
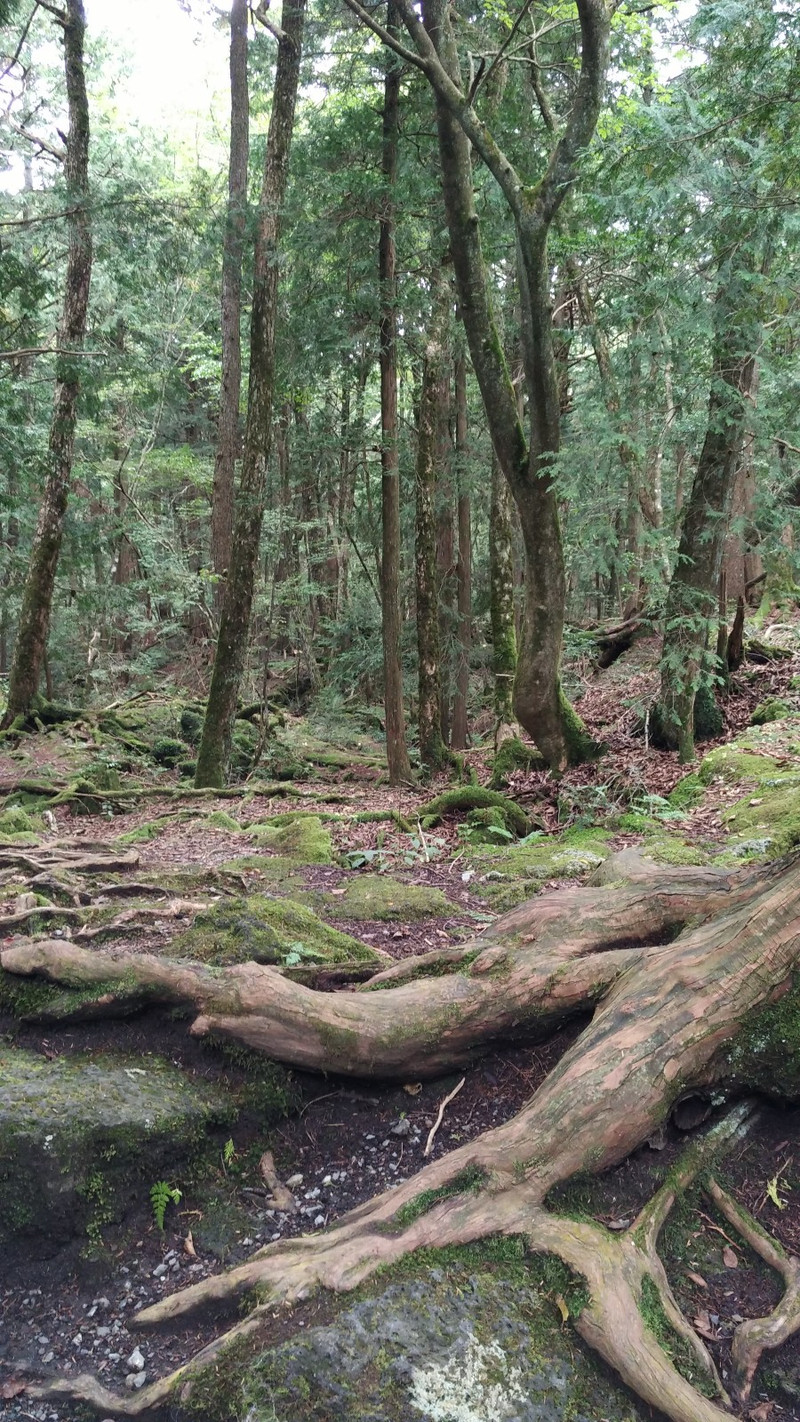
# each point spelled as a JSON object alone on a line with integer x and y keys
{"x": 757, "y": 1335}
{"x": 673, "y": 963}
{"x": 79, "y": 856}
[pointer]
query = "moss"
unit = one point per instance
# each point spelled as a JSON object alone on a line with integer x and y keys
{"x": 669, "y": 849}
{"x": 167, "y": 751}
{"x": 560, "y": 1281}
{"x": 708, "y": 719}
{"x": 264, "y": 930}
{"x": 15, "y": 821}
{"x": 467, "y": 1181}
{"x": 150, "y": 830}
{"x": 730, "y": 763}
{"x": 580, "y": 745}
{"x": 191, "y": 724}
{"x": 300, "y": 837}
{"x": 463, "y": 798}
{"x": 511, "y": 873}
{"x": 774, "y": 816}
{"x": 378, "y": 896}
{"x": 219, "y": 820}
{"x": 766, "y": 1053}
{"x": 773, "y": 709}
{"x": 512, "y": 755}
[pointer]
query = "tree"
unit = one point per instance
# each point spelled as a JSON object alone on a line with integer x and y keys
{"x": 396, "y": 750}
{"x": 539, "y": 702}
{"x": 231, "y": 299}
{"x": 215, "y": 746}
{"x": 30, "y": 646}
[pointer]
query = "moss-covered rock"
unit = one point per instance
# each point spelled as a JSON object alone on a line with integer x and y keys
{"x": 81, "y": 1139}
{"x": 773, "y": 814}
{"x": 264, "y": 930}
{"x": 379, "y": 896}
{"x": 472, "y": 1335}
{"x": 510, "y": 874}
{"x": 708, "y": 719}
{"x": 167, "y": 751}
{"x": 687, "y": 793}
{"x": 191, "y": 724}
{"x": 15, "y": 821}
{"x": 773, "y": 709}
{"x": 731, "y": 763}
{"x": 464, "y": 798}
{"x": 301, "y": 837}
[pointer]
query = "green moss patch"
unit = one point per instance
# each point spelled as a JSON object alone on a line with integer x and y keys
{"x": 771, "y": 816}
{"x": 378, "y": 896}
{"x": 766, "y": 1053}
{"x": 510, "y": 874}
{"x": 264, "y": 930}
{"x": 81, "y": 1139}
{"x": 303, "y": 838}
{"x": 773, "y": 709}
{"x": 731, "y": 763}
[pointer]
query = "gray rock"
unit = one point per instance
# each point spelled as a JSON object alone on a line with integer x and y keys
{"x": 136, "y": 1360}
{"x": 478, "y": 1343}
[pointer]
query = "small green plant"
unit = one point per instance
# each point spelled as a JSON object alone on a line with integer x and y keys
{"x": 161, "y": 1195}
{"x": 228, "y": 1153}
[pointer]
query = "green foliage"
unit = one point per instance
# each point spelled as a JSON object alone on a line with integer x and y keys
{"x": 163, "y": 1194}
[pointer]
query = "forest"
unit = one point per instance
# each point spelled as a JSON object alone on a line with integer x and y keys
{"x": 399, "y": 711}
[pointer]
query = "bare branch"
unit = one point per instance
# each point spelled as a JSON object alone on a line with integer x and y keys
{"x": 483, "y": 76}
{"x": 41, "y": 143}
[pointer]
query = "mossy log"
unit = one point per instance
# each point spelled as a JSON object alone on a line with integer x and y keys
{"x": 692, "y": 977}
{"x": 463, "y": 798}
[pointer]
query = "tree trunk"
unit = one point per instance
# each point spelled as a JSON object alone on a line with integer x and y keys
{"x": 688, "y": 975}
{"x": 37, "y": 598}
{"x": 228, "y": 440}
{"x": 464, "y": 567}
{"x": 539, "y": 702}
{"x": 215, "y": 746}
{"x": 693, "y": 594}
{"x": 501, "y": 599}
{"x": 391, "y": 621}
{"x": 433, "y": 396}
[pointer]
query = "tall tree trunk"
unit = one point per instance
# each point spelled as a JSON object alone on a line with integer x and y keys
{"x": 464, "y": 567}
{"x": 215, "y": 746}
{"x": 741, "y": 560}
{"x": 501, "y": 579}
{"x": 539, "y": 702}
{"x": 433, "y": 397}
{"x": 231, "y": 302}
{"x": 693, "y": 594}
{"x": 396, "y": 749}
{"x": 37, "y": 597}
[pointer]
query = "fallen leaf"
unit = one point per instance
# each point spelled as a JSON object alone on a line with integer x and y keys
{"x": 762, "y": 1413}
{"x": 730, "y": 1258}
{"x": 413, "y": 1088}
{"x": 562, "y": 1308}
{"x": 696, "y": 1279}
{"x": 188, "y": 1245}
{"x": 12, "y": 1388}
{"x": 702, "y": 1325}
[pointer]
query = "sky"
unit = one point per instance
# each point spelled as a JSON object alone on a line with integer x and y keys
{"x": 177, "y": 63}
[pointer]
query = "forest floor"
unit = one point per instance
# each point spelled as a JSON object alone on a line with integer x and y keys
{"x": 204, "y": 876}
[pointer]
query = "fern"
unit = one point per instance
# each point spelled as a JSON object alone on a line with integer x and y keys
{"x": 161, "y": 1195}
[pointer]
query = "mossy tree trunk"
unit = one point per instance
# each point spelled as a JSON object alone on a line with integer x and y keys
{"x": 501, "y": 597}
{"x": 215, "y": 746}
{"x": 690, "y": 979}
{"x": 432, "y": 414}
{"x": 30, "y": 646}
{"x": 228, "y": 434}
{"x": 539, "y": 702}
{"x": 459, "y": 735}
{"x": 692, "y": 601}
{"x": 391, "y": 621}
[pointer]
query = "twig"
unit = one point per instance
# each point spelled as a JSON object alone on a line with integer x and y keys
{"x": 437, "y": 1123}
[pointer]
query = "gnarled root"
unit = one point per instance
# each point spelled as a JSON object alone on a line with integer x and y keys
{"x": 758, "y": 1335}
{"x": 615, "y": 1269}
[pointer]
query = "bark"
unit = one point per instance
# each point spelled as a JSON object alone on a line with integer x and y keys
{"x": 37, "y": 598}
{"x": 391, "y": 621}
{"x": 215, "y": 746}
{"x": 464, "y": 566}
{"x": 672, "y": 963}
{"x": 501, "y": 598}
{"x": 228, "y": 435}
{"x": 692, "y": 601}
{"x": 433, "y": 396}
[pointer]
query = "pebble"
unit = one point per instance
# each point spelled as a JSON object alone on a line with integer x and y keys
{"x": 294, "y": 1181}
{"x": 135, "y": 1380}
{"x": 136, "y": 1360}
{"x": 160, "y": 1270}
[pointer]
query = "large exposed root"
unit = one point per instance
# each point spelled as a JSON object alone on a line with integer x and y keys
{"x": 615, "y": 1269}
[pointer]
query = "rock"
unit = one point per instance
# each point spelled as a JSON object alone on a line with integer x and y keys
{"x": 82, "y": 1138}
{"x": 136, "y": 1360}
{"x": 478, "y": 1340}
